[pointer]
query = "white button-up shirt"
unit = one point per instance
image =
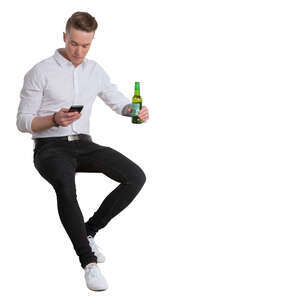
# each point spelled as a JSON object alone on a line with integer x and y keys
{"x": 55, "y": 83}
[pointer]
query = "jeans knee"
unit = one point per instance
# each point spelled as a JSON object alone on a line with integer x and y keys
{"x": 64, "y": 190}
{"x": 142, "y": 177}
{"x": 139, "y": 177}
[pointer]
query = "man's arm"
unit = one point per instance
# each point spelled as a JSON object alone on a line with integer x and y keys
{"x": 111, "y": 96}
{"x": 61, "y": 118}
{"x": 126, "y": 110}
{"x": 42, "y": 123}
{"x": 31, "y": 96}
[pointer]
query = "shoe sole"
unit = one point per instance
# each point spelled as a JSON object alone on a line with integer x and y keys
{"x": 97, "y": 290}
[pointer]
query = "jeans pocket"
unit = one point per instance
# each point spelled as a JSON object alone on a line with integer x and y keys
{"x": 41, "y": 146}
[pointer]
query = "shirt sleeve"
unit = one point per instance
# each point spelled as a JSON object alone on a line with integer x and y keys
{"x": 111, "y": 96}
{"x": 30, "y": 100}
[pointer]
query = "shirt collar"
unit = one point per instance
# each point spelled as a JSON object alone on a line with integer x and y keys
{"x": 61, "y": 59}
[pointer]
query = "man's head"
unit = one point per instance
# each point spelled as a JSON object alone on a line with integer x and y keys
{"x": 80, "y": 31}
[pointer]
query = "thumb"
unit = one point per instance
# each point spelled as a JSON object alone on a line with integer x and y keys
{"x": 129, "y": 109}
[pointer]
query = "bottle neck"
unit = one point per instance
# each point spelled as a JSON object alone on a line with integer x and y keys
{"x": 137, "y": 89}
{"x": 137, "y": 92}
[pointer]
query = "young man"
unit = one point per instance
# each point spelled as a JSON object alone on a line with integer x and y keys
{"x": 63, "y": 145}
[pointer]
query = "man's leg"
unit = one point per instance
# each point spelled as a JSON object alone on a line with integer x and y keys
{"x": 119, "y": 168}
{"x": 58, "y": 169}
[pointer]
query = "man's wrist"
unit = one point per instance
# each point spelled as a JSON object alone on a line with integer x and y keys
{"x": 54, "y": 121}
{"x": 125, "y": 111}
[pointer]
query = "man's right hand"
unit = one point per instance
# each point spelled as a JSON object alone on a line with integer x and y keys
{"x": 64, "y": 118}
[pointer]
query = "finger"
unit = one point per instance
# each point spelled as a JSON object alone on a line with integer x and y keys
{"x": 143, "y": 109}
{"x": 68, "y": 116}
{"x": 67, "y": 123}
{"x": 143, "y": 115}
{"x": 70, "y": 119}
{"x": 64, "y": 109}
{"x": 65, "y": 118}
{"x": 144, "y": 119}
{"x": 77, "y": 116}
{"x": 71, "y": 114}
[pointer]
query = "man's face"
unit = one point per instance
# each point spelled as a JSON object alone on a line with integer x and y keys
{"x": 77, "y": 45}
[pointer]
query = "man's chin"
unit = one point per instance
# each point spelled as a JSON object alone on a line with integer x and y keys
{"x": 77, "y": 61}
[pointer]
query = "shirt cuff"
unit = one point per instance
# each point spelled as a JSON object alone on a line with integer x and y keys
{"x": 125, "y": 111}
{"x": 24, "y": 122}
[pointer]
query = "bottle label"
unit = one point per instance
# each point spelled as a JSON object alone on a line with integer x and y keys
{"x": 135, "y": 109}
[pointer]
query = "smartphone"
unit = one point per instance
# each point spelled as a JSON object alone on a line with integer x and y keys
{"x": 76, "y": 108}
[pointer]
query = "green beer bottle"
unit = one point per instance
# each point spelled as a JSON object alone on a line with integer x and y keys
{"x": 136, "y": 104}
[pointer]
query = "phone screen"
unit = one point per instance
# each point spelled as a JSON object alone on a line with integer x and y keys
{"x": 76, "y": 108}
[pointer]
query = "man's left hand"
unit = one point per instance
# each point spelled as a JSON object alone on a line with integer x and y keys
{"x": 143, "y": 113}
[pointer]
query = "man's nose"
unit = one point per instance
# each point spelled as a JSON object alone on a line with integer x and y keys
{"x": 78, "y": 52}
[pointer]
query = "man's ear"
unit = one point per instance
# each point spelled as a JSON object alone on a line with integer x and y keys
{"x": 64, "y": 36}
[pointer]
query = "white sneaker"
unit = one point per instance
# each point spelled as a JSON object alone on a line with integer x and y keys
{"x": 96, "y": 250}
{"x": 94, "y": 279}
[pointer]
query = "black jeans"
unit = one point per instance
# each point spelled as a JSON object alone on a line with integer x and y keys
{"x": 58, "y": 161}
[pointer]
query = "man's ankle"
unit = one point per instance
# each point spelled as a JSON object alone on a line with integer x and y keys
{"x": 93, "y": 263}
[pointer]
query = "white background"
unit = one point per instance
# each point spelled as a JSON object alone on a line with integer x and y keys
{"x": 218, "y": 217}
